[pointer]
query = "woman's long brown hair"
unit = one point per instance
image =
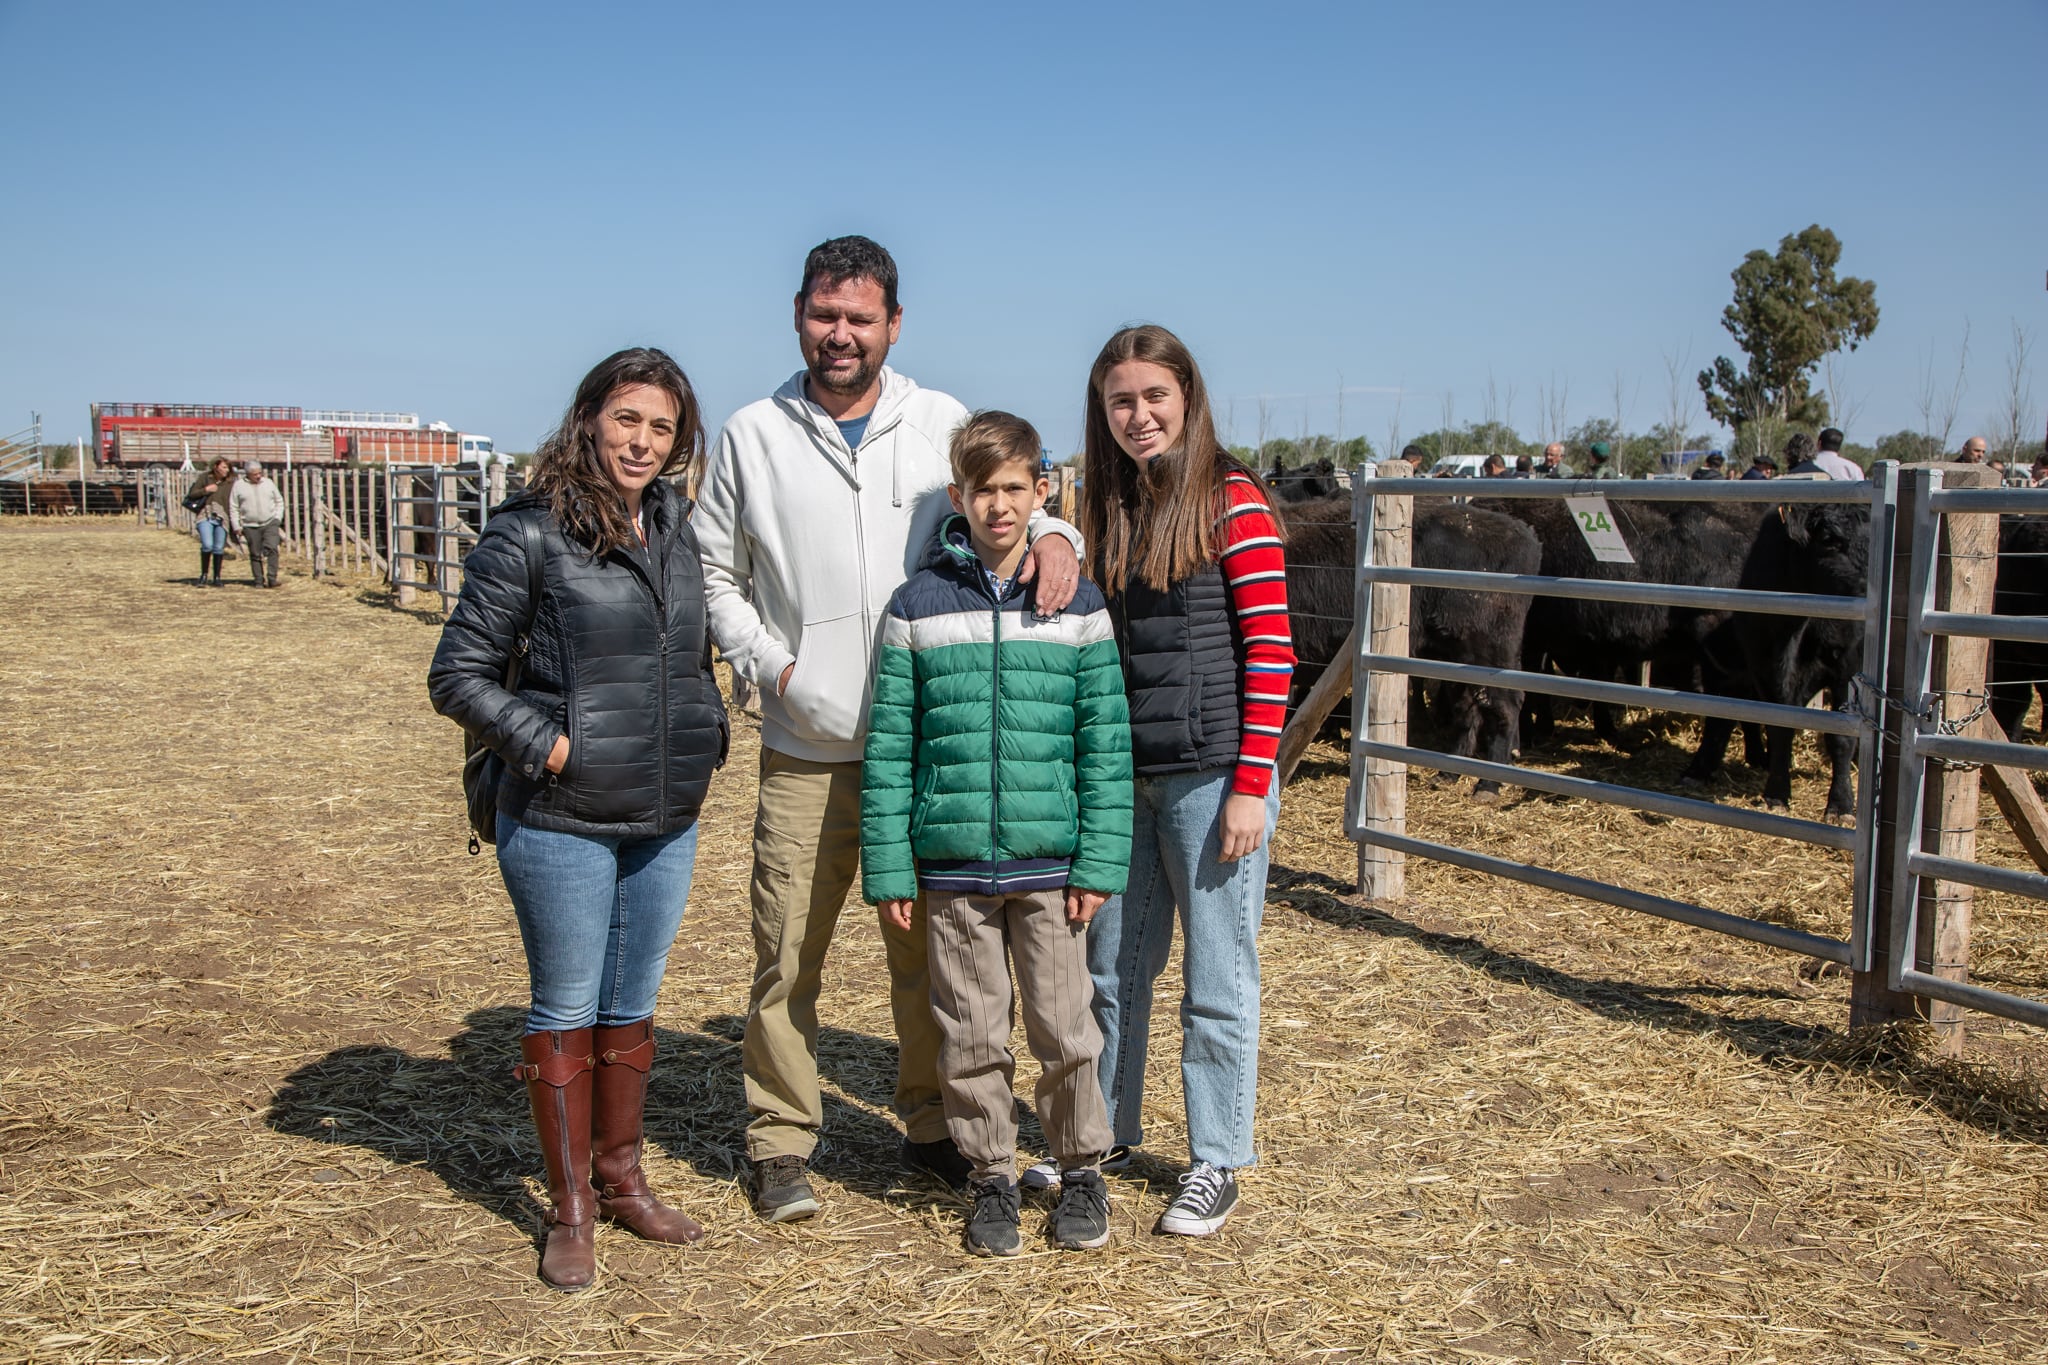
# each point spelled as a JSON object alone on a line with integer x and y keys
{"x": 1161, "y": 523}
{"x": 569, "y": 471}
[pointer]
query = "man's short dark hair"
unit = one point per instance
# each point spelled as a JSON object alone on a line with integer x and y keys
{"x": 851, "y": 258}
{"x": 1413, "y": 454}
{"x": 1831, "y": 439}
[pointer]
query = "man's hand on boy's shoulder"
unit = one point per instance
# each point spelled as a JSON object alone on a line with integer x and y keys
{"x": 1052, "y": 562}
{"x": 1082, "y": 905}
{"x": 897, "y": 912}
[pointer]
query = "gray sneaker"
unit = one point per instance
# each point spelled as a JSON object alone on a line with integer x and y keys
{"x": 782, "y": 1191}
{"x": 992, "y": 1227}
{"x": 1080, "y": 1221}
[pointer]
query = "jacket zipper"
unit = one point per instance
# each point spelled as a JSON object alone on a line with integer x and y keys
{"x": 995, "y": 710}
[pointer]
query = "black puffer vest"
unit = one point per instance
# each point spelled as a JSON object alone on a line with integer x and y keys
{"x": 620, "y": 663}
{"x": 1180, "y": 650}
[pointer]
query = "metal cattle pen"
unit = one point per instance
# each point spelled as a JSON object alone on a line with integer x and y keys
{"x": 1907, "y": 940}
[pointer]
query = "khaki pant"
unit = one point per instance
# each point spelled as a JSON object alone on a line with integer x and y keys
{"x": 974, "y": 939}
{"x": 806, "y": 853}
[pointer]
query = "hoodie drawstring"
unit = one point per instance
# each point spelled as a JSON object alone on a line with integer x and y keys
{"x": 896, "y": 474}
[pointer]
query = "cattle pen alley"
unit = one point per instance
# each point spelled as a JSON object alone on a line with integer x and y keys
{"x": 263, "y": 1007}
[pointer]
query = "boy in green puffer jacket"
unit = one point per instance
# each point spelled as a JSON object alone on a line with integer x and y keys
{"x": 997, "y": 788}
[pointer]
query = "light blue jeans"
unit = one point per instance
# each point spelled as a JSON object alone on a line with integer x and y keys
{"x": 597, "y": 916}
{"x": 1174, "y": 864}
{"x": 213, "y": 535}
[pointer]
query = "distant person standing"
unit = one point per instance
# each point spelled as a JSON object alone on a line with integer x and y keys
{"x": 1715, "y": 466}
{"x": 256, "y": 516}
{"x": 1494, "y": 468}
{"x": 1524, "y": 467}
{"x": 211, "y": 492}
{"x": 1552, "y": 466}
{"x": 1406, "y": 465}
{"x": 1762, "y": 467}
{"x": 1973, "y": 451}
{"x": 1601, "y": 455}
{"x": 1831, "y": 462}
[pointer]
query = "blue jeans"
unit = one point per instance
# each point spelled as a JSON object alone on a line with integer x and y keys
{"x": 597, "y": 916}
{"x": 1174, "y": 848}
{"x": 213, "y": 536}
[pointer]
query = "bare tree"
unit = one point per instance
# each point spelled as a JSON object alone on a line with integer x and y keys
{"x": 1340, "y": 407}
{"x": 1555, "y": 400}
{"x": 1938, "y": 406}
{"x": 1265, "y": 424}
{"x": 1681, "y": 396}
{"x": 1394, "y": 423}
{"x": 1843, "y": 406}
{"x": 1450, "y": 412}
{"x": 1489, "y": 410}
{"x": 2015, "y": 422}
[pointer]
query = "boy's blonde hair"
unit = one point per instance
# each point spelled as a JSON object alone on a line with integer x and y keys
{"x": 986, "y": 442}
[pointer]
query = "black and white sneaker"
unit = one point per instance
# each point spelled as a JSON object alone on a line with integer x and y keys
{"x": 1207, "y": 1198}
{"x": 1046, "y": 1174}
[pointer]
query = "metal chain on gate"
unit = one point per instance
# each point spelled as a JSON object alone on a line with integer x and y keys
{"x": 1868, "y": 701}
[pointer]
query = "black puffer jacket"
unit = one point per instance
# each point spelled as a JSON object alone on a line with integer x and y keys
{"x": 1180, "y": 654}
{"x": 620, "y": 667}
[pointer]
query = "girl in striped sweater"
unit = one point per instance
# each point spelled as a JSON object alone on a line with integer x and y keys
{"x": 1184, "y": 542}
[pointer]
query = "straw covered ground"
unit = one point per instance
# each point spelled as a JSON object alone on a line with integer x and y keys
{"x": 260, "y": 1007}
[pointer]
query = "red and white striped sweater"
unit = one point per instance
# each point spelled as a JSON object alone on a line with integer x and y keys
{"x": 1255, "y": 571}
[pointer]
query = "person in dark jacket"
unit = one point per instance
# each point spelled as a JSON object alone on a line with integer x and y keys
{"x": 211, "y": 491}
{"x": 1184, "y": 543}
{"x": 609, "y": 745}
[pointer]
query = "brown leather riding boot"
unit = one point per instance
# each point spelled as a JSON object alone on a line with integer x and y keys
{"x": 557, "y": 1075}
{"x": 624, "y": 1055}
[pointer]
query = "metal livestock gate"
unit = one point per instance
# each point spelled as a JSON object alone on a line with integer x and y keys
{"x": 1908, "y": 927}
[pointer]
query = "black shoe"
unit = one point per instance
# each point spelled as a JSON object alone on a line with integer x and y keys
{"x": 1080, "y": 1221}
{"x": 1208, "y": 1196}
{"x": 992, "y": 1227}
{"x": 941, "y": 1159}
{"x": 782, "y": 1192}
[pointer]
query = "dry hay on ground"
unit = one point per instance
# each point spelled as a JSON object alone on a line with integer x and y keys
{"x": 260, "y": 1008}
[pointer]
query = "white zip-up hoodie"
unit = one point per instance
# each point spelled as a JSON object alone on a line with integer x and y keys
{"x": 805, "y": 540}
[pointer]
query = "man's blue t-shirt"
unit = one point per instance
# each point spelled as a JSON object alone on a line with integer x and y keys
{"x": 853, "y": 429}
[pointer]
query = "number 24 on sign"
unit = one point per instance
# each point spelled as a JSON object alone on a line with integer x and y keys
{"x": 1596, "y": 524}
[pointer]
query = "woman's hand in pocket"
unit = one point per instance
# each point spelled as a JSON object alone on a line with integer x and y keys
{"x": 558, "y": 757}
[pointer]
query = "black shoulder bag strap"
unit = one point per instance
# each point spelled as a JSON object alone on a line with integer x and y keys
{"x": 481, "y": 766}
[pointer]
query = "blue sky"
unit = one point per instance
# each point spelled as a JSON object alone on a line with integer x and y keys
{"x": 457, "y": 209}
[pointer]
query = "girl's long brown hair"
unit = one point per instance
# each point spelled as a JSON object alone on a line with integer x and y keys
{"x": 568, "y": 470}
{"x": 1162, "y": 523}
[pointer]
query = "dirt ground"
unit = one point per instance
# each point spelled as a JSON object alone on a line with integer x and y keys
{"x": 260, "y": 1007}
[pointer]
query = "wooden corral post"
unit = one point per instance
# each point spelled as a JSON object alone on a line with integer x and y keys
{"x": 1378, "y": 797}
{"x": 318, "y": 523}
{"x": 398, "y": 488}
{"x": 1964, "y": 579}
{"x": 494, "y": 489}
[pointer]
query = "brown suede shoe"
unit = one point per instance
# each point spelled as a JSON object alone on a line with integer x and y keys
{"x": 625, "y": 1053}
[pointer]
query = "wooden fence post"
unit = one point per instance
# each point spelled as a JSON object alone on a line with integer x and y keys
{"x": 319, "y": 523}
{"x": 1964, "y": 579}
{"x": 1379, "y": 699}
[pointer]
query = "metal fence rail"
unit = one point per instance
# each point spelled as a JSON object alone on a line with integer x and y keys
{"x": 1368, "y": 829}
{"x": 1918, "y": 718}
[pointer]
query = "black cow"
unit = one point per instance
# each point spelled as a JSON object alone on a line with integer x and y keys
{"x": 2019, "y": 669}
{"x": 1820, "y": 548}
{"x": 1700, "y": 544}
{"x": 1305, "y": 483}
{"x": 1443, "y": 623}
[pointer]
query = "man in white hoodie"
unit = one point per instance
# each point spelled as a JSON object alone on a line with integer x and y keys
{"x": 816, "y": 505}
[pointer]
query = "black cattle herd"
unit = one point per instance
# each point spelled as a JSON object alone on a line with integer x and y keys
{"x": 1812, "y": 548}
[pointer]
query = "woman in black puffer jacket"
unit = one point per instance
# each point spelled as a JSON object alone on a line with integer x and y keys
{"x": 609, "y": 744}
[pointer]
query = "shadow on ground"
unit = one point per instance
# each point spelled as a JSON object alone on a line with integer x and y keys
{"x": 1896, "y": 1058}
{"x": 464, "y": 1119}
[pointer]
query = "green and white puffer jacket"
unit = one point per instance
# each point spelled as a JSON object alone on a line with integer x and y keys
{"x": 999, "y": 745}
